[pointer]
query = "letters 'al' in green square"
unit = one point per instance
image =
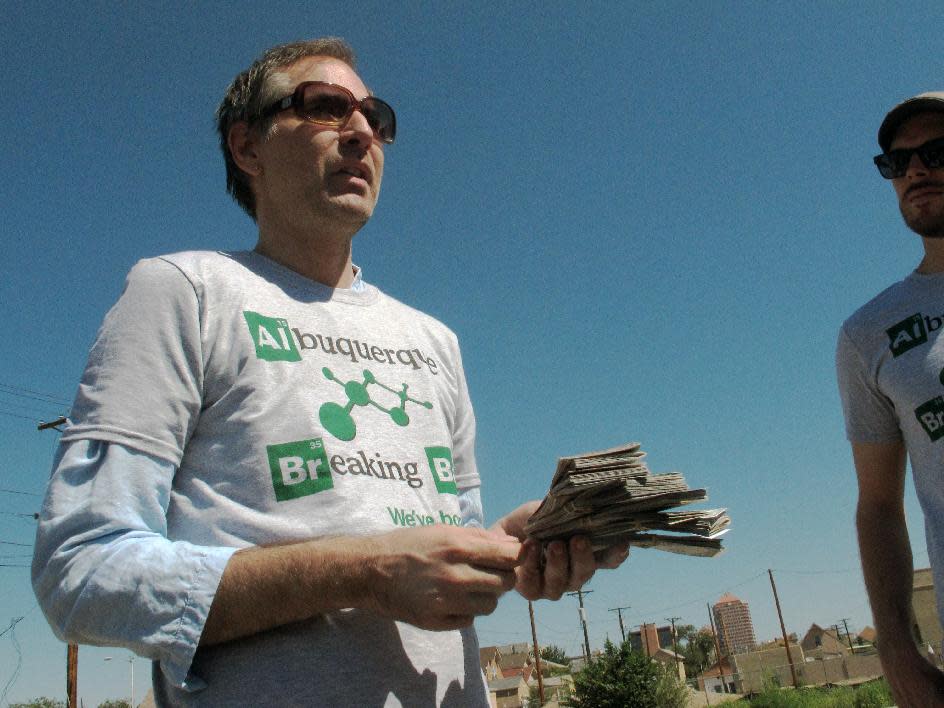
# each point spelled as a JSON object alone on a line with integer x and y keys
{"x": 272, "y": 337}
{"x": 299, "y": 469}
{"x": 907, "y": 334}
{"x": 440, "y": 465}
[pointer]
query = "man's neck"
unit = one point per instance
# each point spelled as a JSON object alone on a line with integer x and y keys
{"x": 318, "y": 254}
{"x": 933, "y": 261}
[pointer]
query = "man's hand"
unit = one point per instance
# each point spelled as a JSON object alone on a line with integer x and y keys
{"x": 568, "y": 566}
{"x": 442, "y": 577}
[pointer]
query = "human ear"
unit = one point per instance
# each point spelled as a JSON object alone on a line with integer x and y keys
{"x": 242, "y": 143}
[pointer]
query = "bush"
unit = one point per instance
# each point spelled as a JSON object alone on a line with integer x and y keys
{"x": 622, "y": 678}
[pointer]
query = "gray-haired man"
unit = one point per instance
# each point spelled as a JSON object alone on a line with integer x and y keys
{"x": 268, "y": 483}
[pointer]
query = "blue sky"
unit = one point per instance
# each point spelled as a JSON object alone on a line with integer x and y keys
{"x": 644, "y": 221}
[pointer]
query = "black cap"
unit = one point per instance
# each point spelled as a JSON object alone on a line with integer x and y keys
{"x": 933, "y": 101}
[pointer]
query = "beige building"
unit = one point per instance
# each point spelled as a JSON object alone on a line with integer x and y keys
{"x": 819, "y": 642}
{"x": 733, "y": 625}
{"x": 509, "y": 692}
{"x": 927, "y": 626}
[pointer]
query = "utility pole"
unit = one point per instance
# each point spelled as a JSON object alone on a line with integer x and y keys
{"x": 714, "y": 633}
{"x": 537, "y": 653}
{"x": 674, "y": 640}
{"x": 619, "y": 612}
{"x": 583, "y": 621}
{"x": 845, "y": 623}
{"x": 72, "y": 650}
{"x": 783, "y": 629}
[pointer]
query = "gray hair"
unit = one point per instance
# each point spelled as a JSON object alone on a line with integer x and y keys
{"x": 258, "y": 87}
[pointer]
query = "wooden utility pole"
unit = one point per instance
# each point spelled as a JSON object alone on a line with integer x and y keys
{"x": 537, "y": 653}
{"x": 714, "y": 633}
{"x": 583, "y": 621}
{"x": 845, "y": 623}
{"x": 674, "y": 640}
{"x": 72, "y": 675}
{"x": 783, "y": 629}
{"x": 72, "y": 651}
{"x": 619, "y": 612}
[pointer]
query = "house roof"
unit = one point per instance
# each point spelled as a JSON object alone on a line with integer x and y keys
{"x": 486, "y": 654}
{"x": 510, "y": 661}
{"x": 713, "y": 670}
{"x": 503, "y": 684}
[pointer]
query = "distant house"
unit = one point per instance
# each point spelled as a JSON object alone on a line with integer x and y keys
{"x": 675, "y": 662}
{"x": 519, "y": 664}
{"x": 819, "y": 642}
{"x": 489, "y": 660}
{"x": 649, "y": 638}
{"x": 718, "y": 678}
{"x": 556, "y": 688}
{"x": 509, "y": 692}
{"x": 866, "y": 636}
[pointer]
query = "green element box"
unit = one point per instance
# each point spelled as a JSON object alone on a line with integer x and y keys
{"x": 440, "y": 466}
{"x": 272, "y": 337}
{"x": 906, "y": 335}
{"x": 931, "y": 417}
{"x": 299, "y": 469}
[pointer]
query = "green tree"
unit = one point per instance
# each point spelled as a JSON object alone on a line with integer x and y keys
{"x": 623, "y": 678}
{"x": 40, "y": 703}
{"x": 554, "y": 653}
{"x": 115, "y": 703}
{"x": 697, "y": 648}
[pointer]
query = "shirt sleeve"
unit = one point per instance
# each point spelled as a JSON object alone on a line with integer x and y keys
{"x": 470, "y": 507}
{"x": 870, "y": 415}
{"x": 105, "y": 572}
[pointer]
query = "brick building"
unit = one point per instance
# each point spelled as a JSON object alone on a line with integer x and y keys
{"x": 733, "y": 624}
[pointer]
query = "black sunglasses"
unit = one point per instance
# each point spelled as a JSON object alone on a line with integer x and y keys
{"x": 332, "y": 105}
{"x": 894, "y": 163}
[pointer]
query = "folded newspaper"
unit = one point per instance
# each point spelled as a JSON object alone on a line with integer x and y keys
{"x": 611, "y": 497}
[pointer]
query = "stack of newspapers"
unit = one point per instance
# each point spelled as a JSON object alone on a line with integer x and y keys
{"x": 611, "y": 497}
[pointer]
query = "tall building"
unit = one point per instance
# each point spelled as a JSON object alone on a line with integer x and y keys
{"x": 733, "y": 624}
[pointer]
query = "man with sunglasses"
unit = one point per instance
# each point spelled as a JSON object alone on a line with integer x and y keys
{"x": 890, "y": 363}
{"x": 268, "y": 484}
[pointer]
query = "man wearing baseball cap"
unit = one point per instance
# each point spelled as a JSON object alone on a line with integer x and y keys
{"x": 890, "y": 364}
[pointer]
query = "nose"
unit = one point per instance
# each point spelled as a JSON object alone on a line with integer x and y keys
{"x": 915, "y": 166}
{"x": 357, "y": 131}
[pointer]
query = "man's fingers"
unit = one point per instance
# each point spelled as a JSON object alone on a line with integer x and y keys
{"x": 582, "y": 562}
{"x": 529, "y": 574}
{"x": 556, "y": 570}
{"x": 489, "y": 550}
{"x": 613, "y": 556}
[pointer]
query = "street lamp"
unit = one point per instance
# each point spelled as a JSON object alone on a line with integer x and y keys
{"x": 131, "y": 665}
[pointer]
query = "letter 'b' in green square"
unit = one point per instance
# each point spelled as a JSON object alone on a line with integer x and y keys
{"x": 299, "y": 469}
{"x": 440, "y": 465}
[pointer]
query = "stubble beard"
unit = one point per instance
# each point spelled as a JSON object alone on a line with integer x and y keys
{"x": 928, "y": 224}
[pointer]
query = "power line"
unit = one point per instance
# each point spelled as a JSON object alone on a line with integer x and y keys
{"x": 14, "y": 543}
{"x": 28, "y": 393}
{"x": 16, "y": 491}
{"x": 15, "y": 415}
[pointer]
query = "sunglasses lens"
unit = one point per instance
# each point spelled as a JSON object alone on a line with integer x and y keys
{"x": 381, "y": 118}
{"x": 892, "y": 165}
{"x": 324, "y": 104}
{"x": 932, "y": 155}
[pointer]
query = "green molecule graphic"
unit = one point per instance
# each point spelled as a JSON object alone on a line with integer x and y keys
{"x": 337, "y": 419}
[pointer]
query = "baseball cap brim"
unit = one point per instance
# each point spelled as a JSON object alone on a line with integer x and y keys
{"x": 932, "y": 101}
